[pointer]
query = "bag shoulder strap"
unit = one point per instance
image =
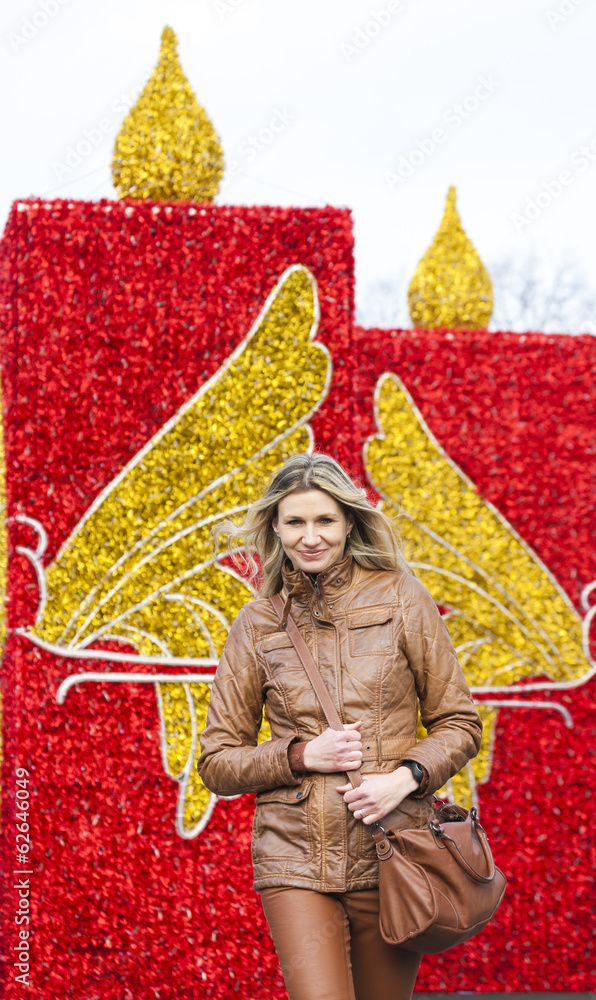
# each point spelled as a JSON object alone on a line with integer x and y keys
{"x": 314, "y": 675}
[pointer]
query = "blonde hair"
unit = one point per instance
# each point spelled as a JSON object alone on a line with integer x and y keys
{"x": 374, "y": 540}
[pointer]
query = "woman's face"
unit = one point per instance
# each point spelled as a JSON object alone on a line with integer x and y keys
{"x": 312, "y": 528}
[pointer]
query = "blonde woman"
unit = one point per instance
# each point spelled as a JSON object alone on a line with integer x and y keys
{"x": 382, "y": 649}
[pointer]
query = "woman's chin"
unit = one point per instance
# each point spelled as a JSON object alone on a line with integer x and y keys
{"x": 318, "y": 565}
{"x": 312, "y": 565}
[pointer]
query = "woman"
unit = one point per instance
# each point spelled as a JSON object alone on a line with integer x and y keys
{"x": 382, "y": 648}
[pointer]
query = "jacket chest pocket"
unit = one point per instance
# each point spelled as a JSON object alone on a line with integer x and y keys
{"x": 370, "y": 631}
{"x": 289, "y": 695}
{"x": 282, "y": 825}
{"x": 279, "y": 653}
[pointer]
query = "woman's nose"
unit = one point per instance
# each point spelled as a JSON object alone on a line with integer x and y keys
{"x": 311, "y": 535}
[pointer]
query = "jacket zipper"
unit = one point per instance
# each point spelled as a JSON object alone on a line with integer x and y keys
{"x": 320, "y": 596}
{"x": 318, "y": 593}
{"x": 344, "y": 821}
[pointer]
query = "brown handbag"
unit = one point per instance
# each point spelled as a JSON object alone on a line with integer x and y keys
{"x": 438, "y": 886}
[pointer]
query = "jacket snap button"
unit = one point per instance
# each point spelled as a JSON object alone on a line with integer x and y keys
{"x": 338, "y": 579}
{"x": 298, "y": 795}
{"x": 368, "y": 748}
{"x": 317, "y": 614}
{"x": 331, "y": 607}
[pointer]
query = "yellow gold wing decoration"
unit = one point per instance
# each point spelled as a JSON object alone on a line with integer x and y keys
{"x": 508, "y": 617}
{"x": 139, "y": 567}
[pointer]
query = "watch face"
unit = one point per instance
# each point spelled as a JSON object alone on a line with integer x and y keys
{"x": 415, "y": 768}
{"x": 417, "y": 772}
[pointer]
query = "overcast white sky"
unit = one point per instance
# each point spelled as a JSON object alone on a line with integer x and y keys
{"x": 510, "y": 85}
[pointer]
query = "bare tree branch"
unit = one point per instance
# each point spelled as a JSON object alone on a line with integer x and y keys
{"x": 531, "y": 294}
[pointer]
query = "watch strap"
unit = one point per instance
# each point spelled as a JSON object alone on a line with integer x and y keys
{"x": 416, "y": 769}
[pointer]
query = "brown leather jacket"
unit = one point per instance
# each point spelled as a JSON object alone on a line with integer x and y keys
{"x": 381, "y": 646}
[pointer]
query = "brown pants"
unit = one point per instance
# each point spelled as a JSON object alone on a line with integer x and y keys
{"x": 330, "y": 948}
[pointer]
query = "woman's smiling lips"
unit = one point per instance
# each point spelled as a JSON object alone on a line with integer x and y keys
{"x": 312, "y": 555}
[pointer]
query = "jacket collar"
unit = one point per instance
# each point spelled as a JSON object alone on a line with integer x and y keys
{"x": 299, "y": 586}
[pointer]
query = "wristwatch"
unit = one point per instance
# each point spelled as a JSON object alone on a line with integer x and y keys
{"x": 415, "y": 768}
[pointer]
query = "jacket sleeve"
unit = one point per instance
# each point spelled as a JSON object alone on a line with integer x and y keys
{"x": 448, "y": 713}
{"x": 296, "y": 756}
{"x": 231, "y": 760}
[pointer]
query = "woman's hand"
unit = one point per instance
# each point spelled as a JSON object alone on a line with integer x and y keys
{"x": 334, "y": 750}
{"x": 378, "y": 794}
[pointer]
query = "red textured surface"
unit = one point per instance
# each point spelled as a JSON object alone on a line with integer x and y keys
{"x": 517, "y": 414}
{"x": 110, "y": 322}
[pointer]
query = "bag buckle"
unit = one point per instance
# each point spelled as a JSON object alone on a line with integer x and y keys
{"x": 437, "y": 832}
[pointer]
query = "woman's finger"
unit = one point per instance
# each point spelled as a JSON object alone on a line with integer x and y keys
{"x": 349, "y": 737}
{"x": 358, "y": 803}
{"x": 350, "y": 794}
{"x": 369, "y": 818}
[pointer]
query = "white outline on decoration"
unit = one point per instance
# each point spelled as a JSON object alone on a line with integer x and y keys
{"x": 472, "y": 784}
{"x": 117, "y": 677}
{"x": 440, "y": 571}
{"x": 520, "y": 703}
{"x": 176, "y": 598}
{"x": 382, "y": 436}
{"x": 149, "y": 599}
{"x": 302, "y": 423}
{"x": 590, "y": 612}
{"x": 489, "y": 578}
{"x": 146, "y": 635}
{"x": 492, "y": 736}
{"x": 188, "y": 574}
{"x": 207, "y": 386}
{"x": 107, "y": 655}
{"x": 188, "y": 833}
{"x": 171, "y": 540}
{"x": 211, "y": 608}
{"x": 163, "y": 740}
{"x": 80, "y": 651}
{"x": 183, "y": 776}
{"x": 35, "y": 557}
{"x": 584, "y": 623}
{"x": 465, "y": 650}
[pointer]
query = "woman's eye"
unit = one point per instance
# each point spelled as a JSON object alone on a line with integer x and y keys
{"x": 322, "y": 520}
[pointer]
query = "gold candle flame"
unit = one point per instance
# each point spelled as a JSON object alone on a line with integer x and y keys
{"x": 167, "y": 148}
{"x": 451, "y": 287}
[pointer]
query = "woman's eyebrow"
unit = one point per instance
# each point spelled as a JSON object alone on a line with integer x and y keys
{"x": 300, "y": 517}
